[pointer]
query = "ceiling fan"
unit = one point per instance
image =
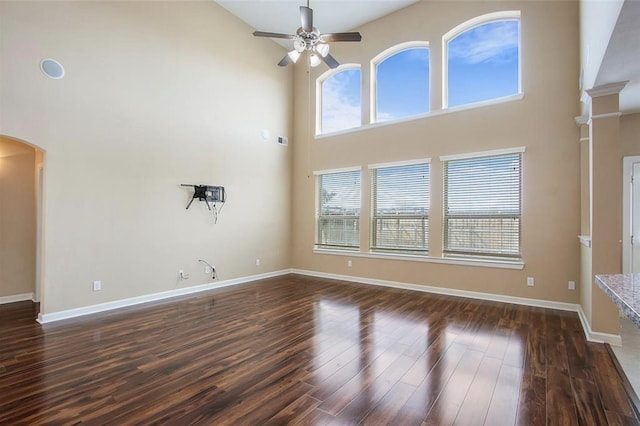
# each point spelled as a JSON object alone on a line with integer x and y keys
{"x": 309, "y": 39}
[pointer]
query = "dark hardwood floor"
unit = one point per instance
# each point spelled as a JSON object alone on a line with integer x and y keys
{"x": 297, "y": 350}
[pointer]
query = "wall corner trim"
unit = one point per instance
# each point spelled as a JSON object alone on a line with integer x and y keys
{"x": 594, "y": 336}
{"x": 585, "y": 240}
{"x": 590, "y": 335}
{"x": 116, "y": 304}
{"x": 17, "y": 298}
{"x": 582, "y": 119}
{"x": 608, "y": 115}
{"x": 607, "y": 89}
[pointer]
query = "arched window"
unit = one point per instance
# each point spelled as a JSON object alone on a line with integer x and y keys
{"x": 482, "y": 59}
{"x": 400, "y": 82}
{"x": 339, "y": 99}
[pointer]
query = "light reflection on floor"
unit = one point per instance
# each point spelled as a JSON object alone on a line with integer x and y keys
{"x": 358, "y": 350}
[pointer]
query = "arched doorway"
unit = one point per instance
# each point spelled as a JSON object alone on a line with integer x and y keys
{"x": 21, "y": 220}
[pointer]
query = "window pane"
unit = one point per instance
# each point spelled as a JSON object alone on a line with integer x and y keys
{"x": 482, "y": 206}
{"x": 400, "y": 204}
{"x": 483, "y": 63}
{"x": 339, "y": 209}
{"x": 402, "y": 84}
{"x": 341, "y": 101}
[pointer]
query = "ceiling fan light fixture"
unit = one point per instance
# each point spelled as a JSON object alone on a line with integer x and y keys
{"x": 294, "y": 55}
{"x": 299, "y": 44}
{"x": 314, "y": 60}
{"x": 322, "y": 49}
{"x": 308, "y": 39}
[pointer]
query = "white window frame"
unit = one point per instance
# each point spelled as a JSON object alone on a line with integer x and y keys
{"x": 381, "y": 57}
{"x": 316, "y": 174}
{"x": 320, "y": 81}
{"x": 373, "y": 207}
{"x": 482, "y": 154}
{"x": 488, "y": 18}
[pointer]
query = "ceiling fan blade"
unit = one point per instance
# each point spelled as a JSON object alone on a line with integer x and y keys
{"x": 285, "y": 61}
{"x": 329, "y": 60}
{"x": 274, "y": 35}
{"x": 341, "y": 37}
{"x": 306, "y": 17}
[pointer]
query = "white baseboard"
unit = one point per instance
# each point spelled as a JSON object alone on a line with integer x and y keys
{"x": 612, "y": 339}
{"x": 593, "y": 336}
{"x": 116, "y": 304}
{"x": 16, "y": 298}
{"x": 447, "y": 291}
{"x": 590, "y": 335}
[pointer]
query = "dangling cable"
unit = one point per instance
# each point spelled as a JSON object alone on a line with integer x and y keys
{"x": 214, "y": 212}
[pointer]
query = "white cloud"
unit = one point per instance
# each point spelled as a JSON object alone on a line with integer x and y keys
{"x": 488, "y": 42}
{"x": 340, "y": 103}
{"x": 419, "y": 55}
{"x": 384, "y": 116}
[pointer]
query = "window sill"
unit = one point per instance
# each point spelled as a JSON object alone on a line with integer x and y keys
{"x": 476, "y": 105}
{"x": 484, "y": 263}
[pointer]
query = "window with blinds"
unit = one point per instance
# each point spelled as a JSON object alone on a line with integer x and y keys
{"x": 482, "y": 199}
{"x": 338, "y": 216}
{"x": 400, "y": 208}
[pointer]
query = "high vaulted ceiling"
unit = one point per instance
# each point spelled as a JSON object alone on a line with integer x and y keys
{"x": 620, "y": 63}
{"x": 329, "y": 16}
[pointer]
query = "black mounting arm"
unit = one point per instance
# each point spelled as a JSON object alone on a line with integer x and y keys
{"x": 207, "y": 194}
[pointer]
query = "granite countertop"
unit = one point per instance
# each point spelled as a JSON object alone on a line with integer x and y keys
{"x": 624, "y": 289}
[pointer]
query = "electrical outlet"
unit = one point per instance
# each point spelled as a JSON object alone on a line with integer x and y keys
{"x": 530, "y": 281}
{"x": 257, "y": 262}
{"x": 349, "y": 263}
{"x": 572, "y": 285}
{"x": 97, "y": 285}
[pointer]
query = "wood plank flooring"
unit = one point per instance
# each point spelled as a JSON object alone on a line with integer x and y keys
{"x": 299, "y": 350}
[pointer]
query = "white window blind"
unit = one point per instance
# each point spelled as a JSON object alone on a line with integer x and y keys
{"x": 400, "y": 205}
{"x": 338, "y": 224}
{"x": 482, "y": 199}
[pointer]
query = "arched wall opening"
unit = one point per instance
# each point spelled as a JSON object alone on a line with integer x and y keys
{"x": 22, "y": 180}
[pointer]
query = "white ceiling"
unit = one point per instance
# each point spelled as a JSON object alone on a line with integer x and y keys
{"x": 329, "y": 16}
{"x": 621, "y": 60}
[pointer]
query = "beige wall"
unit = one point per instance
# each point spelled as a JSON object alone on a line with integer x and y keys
{"x": 630, "y": 134}
{"x": 17, "y": 219}
{"x": 543, "y": 122}
{"x": 612, "y": 139}
{"x": 606, "y": 206}
{"x": 155, "y": 94}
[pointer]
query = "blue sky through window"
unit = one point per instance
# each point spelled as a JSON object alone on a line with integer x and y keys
{"x": 402, "y": 85}
{"x": 483, "y": 63}
{"x": 341, "y": 101}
